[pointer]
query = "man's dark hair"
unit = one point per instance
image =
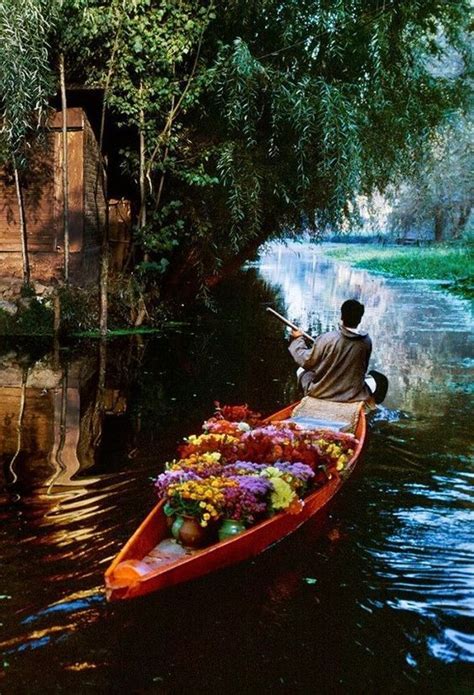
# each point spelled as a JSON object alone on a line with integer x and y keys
{"x": 351, "y": 313}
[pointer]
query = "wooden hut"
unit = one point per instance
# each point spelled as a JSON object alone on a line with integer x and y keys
{"x": 43, "y": 198}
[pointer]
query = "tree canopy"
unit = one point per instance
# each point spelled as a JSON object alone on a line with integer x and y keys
{"x": 239, "y": 121}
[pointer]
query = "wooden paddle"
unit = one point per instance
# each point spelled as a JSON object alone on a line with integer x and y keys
{"x": 290, "y": 324}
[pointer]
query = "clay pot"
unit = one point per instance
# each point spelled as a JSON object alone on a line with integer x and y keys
{"x": 192, "y": 534}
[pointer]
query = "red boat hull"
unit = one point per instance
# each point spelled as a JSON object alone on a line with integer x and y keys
{"x": 229, "y": 552}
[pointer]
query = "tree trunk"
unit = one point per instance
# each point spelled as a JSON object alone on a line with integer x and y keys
{"x": 142, "y": 212}
{"x": 104, "y": 274}
{"x": 65, "y": 174}
{"x": 101, "y": 174}
{"x": 438, "y": 224}
{"x": 22, "y": 220}
{"x": 462, "y": 221}
{"x": 102, "y": 179}
{"x": 56, "y": 314}
{"x": 104, "y": 254}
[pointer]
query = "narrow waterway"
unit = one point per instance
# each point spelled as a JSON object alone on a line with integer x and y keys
{"x": 382, "y": 601}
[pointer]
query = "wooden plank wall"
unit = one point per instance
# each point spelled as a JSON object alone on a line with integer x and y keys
{"x": 38, "y": 199}
{"x": 94, "y": 200}
{"x": 43, "y": 194}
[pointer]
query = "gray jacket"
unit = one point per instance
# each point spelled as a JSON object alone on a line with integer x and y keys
{"x": 336, "y": 365}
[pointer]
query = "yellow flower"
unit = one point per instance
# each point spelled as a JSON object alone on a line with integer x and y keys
{"x": 282, "y": 495}
{"x": 341, "y": 462}
{"x": 272, "y": 472}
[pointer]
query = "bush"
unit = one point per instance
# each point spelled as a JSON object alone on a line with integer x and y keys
{"x": 79, "y": 309}
{"x": 32, "y": 318}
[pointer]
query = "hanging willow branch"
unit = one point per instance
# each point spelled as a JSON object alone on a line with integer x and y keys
{"x": 25, "y": 84}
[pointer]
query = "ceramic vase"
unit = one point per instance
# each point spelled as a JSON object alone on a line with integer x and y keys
{"x": 229, "y": 528}
{"x": 191, "y": 534}
{"x": 176, "y": 526}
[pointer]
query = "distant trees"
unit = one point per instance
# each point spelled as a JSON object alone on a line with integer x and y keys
{"x": 436, "y": 203}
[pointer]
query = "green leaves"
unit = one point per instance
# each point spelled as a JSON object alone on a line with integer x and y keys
{"x": 26, "y": 80}
{"x": 239, "y": 79}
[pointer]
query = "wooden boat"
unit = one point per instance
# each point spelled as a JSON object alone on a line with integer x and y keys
{"x": 123, "y": 582}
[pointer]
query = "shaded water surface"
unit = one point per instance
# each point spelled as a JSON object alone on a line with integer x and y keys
{"x": 383, "y": 600}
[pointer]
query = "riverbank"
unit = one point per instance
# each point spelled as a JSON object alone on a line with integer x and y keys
{"x": 450, "y": 265}
{"x": 29, "y": 310}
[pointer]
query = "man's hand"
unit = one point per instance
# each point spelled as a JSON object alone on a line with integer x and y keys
{"x": 296, "y": 334}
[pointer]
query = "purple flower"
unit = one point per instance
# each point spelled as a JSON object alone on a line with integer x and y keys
{"x": 164, "y": 480}
{"x": 254, "y": 485}
{"x": 242, "y": 504}
{"x": 243, "y": 467}
{"x": 298, "y": 470}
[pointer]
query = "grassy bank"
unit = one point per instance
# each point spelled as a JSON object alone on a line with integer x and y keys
{"x": 450, "y": 264}
{"x": 25, "y": 313}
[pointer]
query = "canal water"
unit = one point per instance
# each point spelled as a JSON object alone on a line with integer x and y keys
{"x": 381, "y": 601}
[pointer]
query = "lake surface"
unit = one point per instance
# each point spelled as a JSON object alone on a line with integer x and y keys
{"x": 381, "y": 601}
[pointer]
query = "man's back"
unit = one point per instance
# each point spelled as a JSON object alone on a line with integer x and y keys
{"x": 336, "y": 365}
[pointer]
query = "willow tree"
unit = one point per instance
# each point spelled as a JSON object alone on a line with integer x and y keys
{"x": 25, "y": 86}
{"x": 316, "y": 103}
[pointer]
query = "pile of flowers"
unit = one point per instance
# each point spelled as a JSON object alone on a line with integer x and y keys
{"x": 245, "y": 470}
{"x": 243, "y": 491}
{"x": 203, "y": 465}
{"x": 226, "y": 444}
{"x": 272, "y": 443}
{"x": 235, "y": 413}
{"x": 203, "y": 498}
{"x": 286, "y": 442}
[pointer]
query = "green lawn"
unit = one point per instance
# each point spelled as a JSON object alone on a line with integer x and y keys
{"x": 448, "y": 263}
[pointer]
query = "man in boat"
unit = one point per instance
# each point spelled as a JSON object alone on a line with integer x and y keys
{"x": 334, "y": 367}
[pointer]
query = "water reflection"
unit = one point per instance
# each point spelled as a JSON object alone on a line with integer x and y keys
{"x": 420, "y": 335}
{"x": 54, "y": 405}
{"x": 422, "y": 550}
{"x": 384, "y": 597}
{"x": 51, "y": 413}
